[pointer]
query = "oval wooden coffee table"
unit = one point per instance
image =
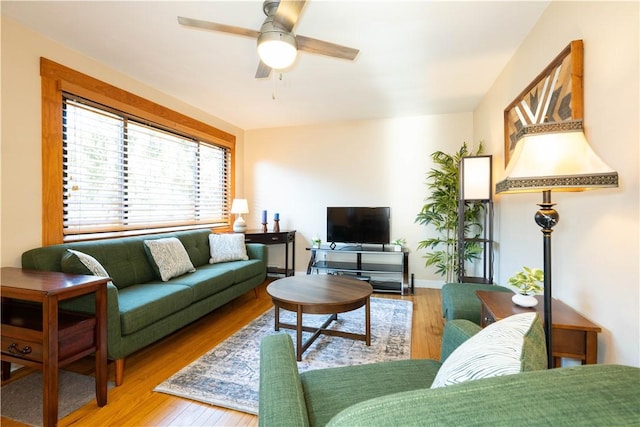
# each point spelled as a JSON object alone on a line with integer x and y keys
{"x": 320, "y": 294}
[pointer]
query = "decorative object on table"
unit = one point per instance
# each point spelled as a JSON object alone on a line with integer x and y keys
{"x": 399, "y": 243}
{"x": 316, "y": 241}
{"x": 440, "y": 213}
{"x": 239, "y": 207}
{"x": 554, "y": 96}
{"x": 527, "y": 283}
{"x": 264, "y": 221}
{"x": 276, "y": 222}
{"x": 475, "y": 220}
{"x": 555, "y": 156}
{"x": 228, "y": 375}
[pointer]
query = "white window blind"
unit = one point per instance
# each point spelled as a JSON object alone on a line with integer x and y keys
{"x": 121, "y": 174}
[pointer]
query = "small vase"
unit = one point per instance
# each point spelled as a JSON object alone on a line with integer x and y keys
{"x": 524, "y": 300}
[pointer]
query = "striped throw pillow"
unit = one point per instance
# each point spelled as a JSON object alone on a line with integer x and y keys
{"x": 512, "y": 345}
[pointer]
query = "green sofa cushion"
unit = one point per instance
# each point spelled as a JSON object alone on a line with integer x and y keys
{"x": 142, "y": 305}
{"x": 124, "y": 259}
{"x": 244, "y": 270}
{"x": 329, "y": 391}
{"x": 196, "y": 242}
{"x": 589, "y": 395}
{"x": 206, "y": 280}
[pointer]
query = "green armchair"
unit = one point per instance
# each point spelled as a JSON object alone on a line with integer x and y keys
{"x": 398, "y": 393}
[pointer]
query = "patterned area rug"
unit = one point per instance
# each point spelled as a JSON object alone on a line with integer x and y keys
{"x": 228, "y": 375}
{"x": 22, "y": 399}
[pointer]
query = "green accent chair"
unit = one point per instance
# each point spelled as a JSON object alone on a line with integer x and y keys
{"x": 398, "y": 393}
{"x": 459, "y": 300}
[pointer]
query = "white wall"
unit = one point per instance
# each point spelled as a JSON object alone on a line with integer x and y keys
{"x": 299, "y": 171}
{"x": 595, "y": 245}
{"x": 21, "y": 129}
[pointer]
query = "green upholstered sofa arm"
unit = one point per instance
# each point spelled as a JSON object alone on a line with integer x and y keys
{"x": 455, "y": 333}
{"x": 281, "y": 395}
{"x": 589, "y": 395}
{"x": 258, "y": 251}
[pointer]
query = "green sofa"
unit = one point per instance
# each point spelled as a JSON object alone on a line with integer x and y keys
{"x": 141, "y": 308}
{"x": 397, "y": 393}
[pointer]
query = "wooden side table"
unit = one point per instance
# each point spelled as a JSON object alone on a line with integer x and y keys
{"x": 574, "y": 336}
{"x": 36, "y": 334}
{"x": 284, "y": 237}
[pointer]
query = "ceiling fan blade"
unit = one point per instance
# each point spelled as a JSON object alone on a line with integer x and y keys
{"x": 263, "y": 71}
{"x": 206, "y": 25}
{"x": 307, "y": 44}
{"x": 288, "y": 13}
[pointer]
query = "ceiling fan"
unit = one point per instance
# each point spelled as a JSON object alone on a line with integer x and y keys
{"x": 277, "y": 44}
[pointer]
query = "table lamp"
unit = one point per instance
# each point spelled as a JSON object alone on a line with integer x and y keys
{"x": 553, "y": 157}
{"x": 239, "y": 206}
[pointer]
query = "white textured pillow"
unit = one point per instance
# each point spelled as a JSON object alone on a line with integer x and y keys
{"x": 170, "y": 257}
{"x": 92, "y": 264}
{"x": 498, "y": 349}
{"x": 227, "y": 247}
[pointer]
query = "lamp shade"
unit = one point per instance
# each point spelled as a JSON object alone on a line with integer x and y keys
{"x": 475, "y": 178}
{"x": 277, "y": 49}
{"x": 556, "y": 157}
{"x": 239, "y": 206}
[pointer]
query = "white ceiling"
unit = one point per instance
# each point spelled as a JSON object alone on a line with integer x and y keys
{"x": 416, "y": 57}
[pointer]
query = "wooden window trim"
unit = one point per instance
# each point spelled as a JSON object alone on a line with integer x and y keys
{"x": 55, "y": 79}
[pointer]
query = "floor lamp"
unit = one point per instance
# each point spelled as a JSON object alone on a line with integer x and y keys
{"x": 553, "y": 157}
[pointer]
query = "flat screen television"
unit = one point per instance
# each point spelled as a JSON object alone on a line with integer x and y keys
{"x": 358, "y": 225}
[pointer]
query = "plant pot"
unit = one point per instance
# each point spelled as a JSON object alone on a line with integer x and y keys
{"x": 524, "y": 300}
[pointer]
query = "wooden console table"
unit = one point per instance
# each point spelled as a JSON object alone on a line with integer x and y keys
{"x": 285, "y": 238}
{"x": 36, "y": 334}
{"x": 574, "y": 336}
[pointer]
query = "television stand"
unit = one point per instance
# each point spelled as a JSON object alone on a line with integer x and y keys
{"x": 385, "y": 269}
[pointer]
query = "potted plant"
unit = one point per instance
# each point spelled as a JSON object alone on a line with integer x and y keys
{"x": 441, "y": 212}
{"x": 527, "y": 283}
{"x": 398, "y": 244}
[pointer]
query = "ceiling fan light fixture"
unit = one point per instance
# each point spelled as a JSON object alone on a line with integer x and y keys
{"x": 277, "y": 49}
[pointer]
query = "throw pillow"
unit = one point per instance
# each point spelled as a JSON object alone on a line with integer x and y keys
{"x": 168, "y": 257}
{"x": 227, "y": 247}
{"x": 512, "y": 345}
{"x": 76, "y": 262}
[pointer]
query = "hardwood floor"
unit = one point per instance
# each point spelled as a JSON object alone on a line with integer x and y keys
{"x": 135, "y": 404}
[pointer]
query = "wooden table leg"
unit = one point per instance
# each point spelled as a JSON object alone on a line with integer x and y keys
{"x": 367, "y": 317}
{"x": 299, "y": 334}
{"x": 276, "y": 308}
{"x": 591, "y": 349}
{"x": 6, "y": 370}
{"x": 50, "y": 362}
{"x": 101, "y": 345}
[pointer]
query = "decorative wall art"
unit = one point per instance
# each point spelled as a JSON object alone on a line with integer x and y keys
{"x": 555, "y": 96}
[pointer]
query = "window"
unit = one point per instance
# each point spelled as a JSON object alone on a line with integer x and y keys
{"x": 114, "y": 163}
{"x": 121, "y": 174}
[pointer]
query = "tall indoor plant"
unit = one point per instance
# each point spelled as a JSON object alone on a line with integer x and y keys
{"x": 441, "y": 212}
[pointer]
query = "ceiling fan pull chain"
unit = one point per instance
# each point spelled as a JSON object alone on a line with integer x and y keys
{"x": 273, "y": 90}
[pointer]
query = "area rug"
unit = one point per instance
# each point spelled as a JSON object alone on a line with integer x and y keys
{"x": 228, "y": 375}
{"x": 22, "y": 399}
